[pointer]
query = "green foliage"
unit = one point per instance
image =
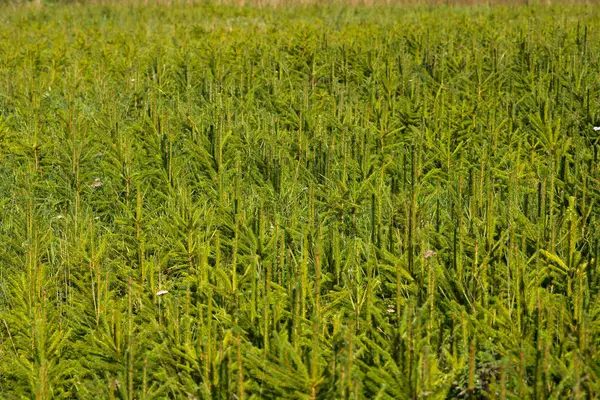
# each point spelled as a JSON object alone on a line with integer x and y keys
{"x": 306, "y": 202}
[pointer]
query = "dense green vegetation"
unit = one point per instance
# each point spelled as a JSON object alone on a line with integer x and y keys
{"x": 312, "y": 203}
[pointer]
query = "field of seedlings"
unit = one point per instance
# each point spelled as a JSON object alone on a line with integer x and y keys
{"x": 225, "y": 202}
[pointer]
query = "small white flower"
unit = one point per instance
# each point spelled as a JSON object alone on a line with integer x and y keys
{"x": 132, "y": 79}
{"x": 60, "y": 216}
{"x": 429, "y": 253}
{"x": 97, "y": 183}
{"x": 597, "y": 128}
{"x": 161, "y": 292}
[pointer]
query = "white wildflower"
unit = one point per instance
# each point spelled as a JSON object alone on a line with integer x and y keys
{"x": 429, "y": 254}
{"x": 97, "y": 183}
{"x": 597, "y": 128}
{"x": 161, "y": 292}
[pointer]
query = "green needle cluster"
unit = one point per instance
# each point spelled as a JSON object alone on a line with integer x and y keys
{"x": 305, "y": 202}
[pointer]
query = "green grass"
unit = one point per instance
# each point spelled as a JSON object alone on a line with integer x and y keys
{"x": 341, "y": 203}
